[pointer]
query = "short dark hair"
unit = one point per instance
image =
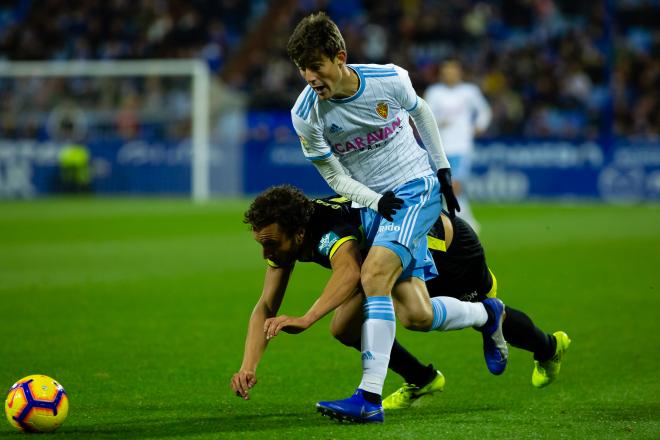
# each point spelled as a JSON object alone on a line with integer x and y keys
{"x": 452, "y": 59}
{"x": 314, "y": 36}
{"x": 285, "y": 205}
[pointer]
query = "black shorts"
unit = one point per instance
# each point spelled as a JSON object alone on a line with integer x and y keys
{"x": 462, "y": 269}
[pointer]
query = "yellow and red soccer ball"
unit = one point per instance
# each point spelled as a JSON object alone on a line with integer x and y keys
{"x": 36, "y": 403}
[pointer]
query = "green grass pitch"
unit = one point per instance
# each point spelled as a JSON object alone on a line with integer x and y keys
{"x": 139, "y": 308}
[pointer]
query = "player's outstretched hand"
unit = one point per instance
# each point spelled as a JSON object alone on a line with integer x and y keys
{"x": 388, "y": 205}
{"x": 287, "y": 324}
{"x": 242, "y": 382}
{"x": 444, "y": 176}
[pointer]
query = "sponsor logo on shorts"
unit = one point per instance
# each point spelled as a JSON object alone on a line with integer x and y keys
{"x": 383, "y": 228}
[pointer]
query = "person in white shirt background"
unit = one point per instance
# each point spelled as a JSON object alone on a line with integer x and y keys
{"x": 461, "y": 112}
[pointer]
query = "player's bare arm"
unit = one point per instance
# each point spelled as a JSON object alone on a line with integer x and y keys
{"x": 275, "y": 283}
{"x": 342, "y": 285}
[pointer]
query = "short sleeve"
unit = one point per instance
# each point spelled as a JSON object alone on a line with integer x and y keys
{"x": 406, "y": 94}
{"x": 331, "y": 241}
{"x": 313, "y": 144}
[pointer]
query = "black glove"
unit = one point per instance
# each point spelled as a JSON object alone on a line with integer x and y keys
{"x": 388, "y": 205}
{"x": 444, "y": 176}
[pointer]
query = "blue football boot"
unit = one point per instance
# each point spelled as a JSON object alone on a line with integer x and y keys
{"x": 496, "y": 351}
{"x": 355, "y": 409}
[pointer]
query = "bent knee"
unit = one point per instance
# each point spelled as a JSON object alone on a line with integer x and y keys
{"x": 380, "y": 270}
{"x": 370, "y": 275}
{"x": 421, "y": 322}
{"x": 376, "y": 279}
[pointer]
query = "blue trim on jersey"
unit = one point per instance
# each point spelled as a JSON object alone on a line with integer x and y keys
{"x": 308, "y": 103}
{"x": 414, "y": 106}
{"x": 379, "y": 75}
{"x": 365, "y": 69}
{"x": 357, "y": 94}
{"x": 303, "y": 103}
{"x": 325, "y": 156}
{"x": 378, "y": 72}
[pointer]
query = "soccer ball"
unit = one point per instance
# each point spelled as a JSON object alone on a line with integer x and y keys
{"x": 37, "y": 403}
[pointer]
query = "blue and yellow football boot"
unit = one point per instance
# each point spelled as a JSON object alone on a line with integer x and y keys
{"x": 408, "y": 394}
{"x": 355, "y": 409}
{"x": 546, "y": 372}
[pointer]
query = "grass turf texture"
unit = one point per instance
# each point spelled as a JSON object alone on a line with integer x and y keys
{"x": 139, "y": 308}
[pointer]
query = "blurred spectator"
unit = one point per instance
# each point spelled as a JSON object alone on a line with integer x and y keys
{"x": 550, "y": 68}
{"x": 462, "y": 113}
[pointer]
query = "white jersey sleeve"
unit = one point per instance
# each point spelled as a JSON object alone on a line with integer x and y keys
{"x": 482, "y": 109}
{"x": 309, "y": 131}
{"x": 337, "y": 178}
{"x": 406, "y": 95}
{"x": 423, "y": 118}
{"x": 427, "y": 127}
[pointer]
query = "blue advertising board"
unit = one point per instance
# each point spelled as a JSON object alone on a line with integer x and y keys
{"x": 510, "y": 170}
{"x": 520, "y": 170}
{"x": 503, "y": 170}
{"x": 29, "y": 167}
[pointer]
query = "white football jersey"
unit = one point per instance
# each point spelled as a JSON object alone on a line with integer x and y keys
{"x": 369, "y": 132}
{"x": 458, "y": 110}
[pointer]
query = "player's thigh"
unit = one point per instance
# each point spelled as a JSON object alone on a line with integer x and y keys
{"x": 380, "y": 270}
{"x": 412, "y": 304}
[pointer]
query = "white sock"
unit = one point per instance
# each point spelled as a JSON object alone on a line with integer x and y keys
{"x": 452, "y": 314}
{"x": 378, "y": 332}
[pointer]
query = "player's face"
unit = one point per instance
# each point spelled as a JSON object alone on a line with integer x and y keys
{"x": 325, "y": 75}
{"x": 279, "y": 247}
{"x": 451, "y": 73}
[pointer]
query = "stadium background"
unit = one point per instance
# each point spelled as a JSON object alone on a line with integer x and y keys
{"x": 574, "y": 88}
{"x": 137, "y": 301}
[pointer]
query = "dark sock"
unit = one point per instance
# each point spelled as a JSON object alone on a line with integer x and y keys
{"x": 409, "y": 367}
{"x": 372, "y": 397}
{"x": 520, "y": 332}
{"x": 406, "y": 365}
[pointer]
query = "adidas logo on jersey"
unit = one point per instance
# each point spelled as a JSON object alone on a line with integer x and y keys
{"x": 334, "y": 128}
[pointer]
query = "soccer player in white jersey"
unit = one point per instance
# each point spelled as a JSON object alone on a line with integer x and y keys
{"x": 353, "y": 124}
{"x": 461, "y": 112}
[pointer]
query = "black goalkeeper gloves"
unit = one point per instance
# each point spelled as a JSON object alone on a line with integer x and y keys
{"x": 444, "y": 176}
{"x": 388, "y": 205}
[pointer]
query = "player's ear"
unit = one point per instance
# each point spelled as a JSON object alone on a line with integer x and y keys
{"x": 341, "y": 57}
{"x": 300, "y": 235}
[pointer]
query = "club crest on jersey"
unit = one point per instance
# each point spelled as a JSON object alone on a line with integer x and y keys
{"x": 382, "y": 109}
